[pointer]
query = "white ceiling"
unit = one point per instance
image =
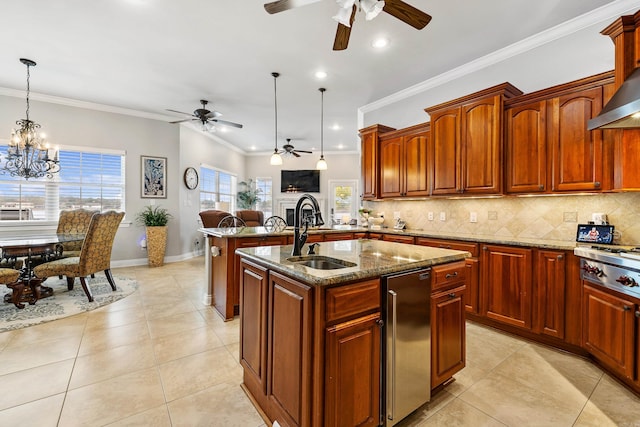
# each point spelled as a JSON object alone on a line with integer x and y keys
{"x": 153, "y": 55}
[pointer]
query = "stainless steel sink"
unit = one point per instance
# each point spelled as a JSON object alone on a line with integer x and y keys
{"x": 320, "y": 262}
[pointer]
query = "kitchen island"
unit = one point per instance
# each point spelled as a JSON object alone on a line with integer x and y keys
{"x": 310, "y": 339}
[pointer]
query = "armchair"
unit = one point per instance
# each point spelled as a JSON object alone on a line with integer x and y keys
{"x": 251, "y": 218}
{"x": 211, "y": 218}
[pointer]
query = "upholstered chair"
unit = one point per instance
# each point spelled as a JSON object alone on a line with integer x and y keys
{"x": 251, "y": 218}
{"x": 212, "y": 217}
{"x": 8, "y": 275}
{"x": 95, "y": 254}
{"x": 74, "y": 221}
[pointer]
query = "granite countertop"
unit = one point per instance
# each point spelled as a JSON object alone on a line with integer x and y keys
{"x": 372, "y": 258}
{"x": 473, "y": 238}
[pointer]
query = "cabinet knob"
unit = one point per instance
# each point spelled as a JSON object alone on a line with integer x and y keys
{"x": 541, "y": 187}
{"x": 637, "y": 313}
{"x": 380, "y": 322}
{"x": 452, "y": 296}
{"x": 626, "y": 308}
{"x": 484, "y": 248}
{"x": 596, "y": 184}
{"x": 560, "y": 257}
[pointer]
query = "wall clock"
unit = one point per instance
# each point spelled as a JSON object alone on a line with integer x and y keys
{"x": 191, "y": 178}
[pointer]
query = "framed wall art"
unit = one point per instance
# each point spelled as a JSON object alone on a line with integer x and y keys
{"x": 154, "y": 177}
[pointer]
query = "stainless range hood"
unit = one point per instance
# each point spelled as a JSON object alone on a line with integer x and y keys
{"x": 623, "y": 110}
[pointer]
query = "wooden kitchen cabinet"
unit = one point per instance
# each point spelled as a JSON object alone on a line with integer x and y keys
{"x": 369, "y": 140}
{"x": 472, "y": 265}
{"x": 467, "y": 145}
{"x": 289, "y": 350}
{"x": 332, "y": 237}
{"x": 447, "y": 334}
{"x": 608, "y": 329}
{"x": 549, "y": 298}
{"x": 506, "y": 285}
{"x": 577, "y": 153}
{"x": 404, "y": 162}
{"x": 409, "y": 240}
{"x": 352, "y": 391}
{"x": 526, "y": 148}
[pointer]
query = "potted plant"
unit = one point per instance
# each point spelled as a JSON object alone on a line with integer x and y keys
{"x": 155, "y": 219}
{"x": 247, "y": 196}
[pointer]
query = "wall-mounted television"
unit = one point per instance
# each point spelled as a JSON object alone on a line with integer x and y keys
{"x": 300, "y": 181}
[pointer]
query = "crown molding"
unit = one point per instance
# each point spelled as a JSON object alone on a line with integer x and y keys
{"x": 610, "y": 11}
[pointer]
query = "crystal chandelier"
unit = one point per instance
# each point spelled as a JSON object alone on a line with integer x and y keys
{"x": 28, "y": 152}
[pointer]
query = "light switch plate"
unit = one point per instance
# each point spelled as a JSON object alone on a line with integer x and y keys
{"x": 430, "y": 216}
{"x": 443, "y": 216}
{"x": 473, "y": 217}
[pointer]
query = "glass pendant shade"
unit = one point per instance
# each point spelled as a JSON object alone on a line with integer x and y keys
{"x": 343, "y": 16}
{"x": 276, "y": 159}
{"x": 321, "y": 165}
{"x": 371, "y": 8}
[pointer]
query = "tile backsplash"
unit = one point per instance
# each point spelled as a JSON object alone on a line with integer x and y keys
{"x": 539, "y": 217}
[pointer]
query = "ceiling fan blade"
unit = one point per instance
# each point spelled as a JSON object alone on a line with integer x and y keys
{"x": 295, "y": 154}
{"x": 407, "y": 13}
{"x": 282, "y": 5}
{"x": 212, "y": 114}
{"x": 180, "y": 121}
{"x": 304, "y": 151}
{"x": 226, "y": 123}
{"x": 180, "y": 112}
{"x": 343, "y": 32}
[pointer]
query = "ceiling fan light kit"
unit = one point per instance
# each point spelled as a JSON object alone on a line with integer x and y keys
{"x": 208, "y": 119}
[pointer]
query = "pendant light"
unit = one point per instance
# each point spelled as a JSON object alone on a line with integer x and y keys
{"x": 322, "y": 164}
{"x": 276, "y": 160}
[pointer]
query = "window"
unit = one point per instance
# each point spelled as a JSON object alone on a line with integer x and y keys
{"x": 265, "y": 196}
{"x": 343, "y": 202}
{"x": 87, "y": 179}
{"x": 217, "y": 189}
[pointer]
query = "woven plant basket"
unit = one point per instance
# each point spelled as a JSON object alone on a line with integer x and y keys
{"x": 156, "y": 245}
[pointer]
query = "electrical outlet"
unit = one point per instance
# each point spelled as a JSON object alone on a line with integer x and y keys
{"x": 430, "y": 216}
{"x": 443, "y": 216}
{"x": 473, "y": 217}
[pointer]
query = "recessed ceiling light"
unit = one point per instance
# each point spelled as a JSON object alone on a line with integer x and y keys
{"x": 336, "y": 127}
{"x": 253, "y": 148}
{"x": 380, "y": 42}
{"x": 321, "y": 74}
{"x": 340, "y": 146}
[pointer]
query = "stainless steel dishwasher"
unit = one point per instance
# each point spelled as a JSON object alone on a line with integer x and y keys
{"x": 406, "y": 350}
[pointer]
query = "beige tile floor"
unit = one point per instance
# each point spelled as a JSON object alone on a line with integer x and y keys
{"x": 161, "y": 358}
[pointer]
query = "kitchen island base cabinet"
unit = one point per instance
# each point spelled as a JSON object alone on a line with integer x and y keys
{"x": 448, "y": 334}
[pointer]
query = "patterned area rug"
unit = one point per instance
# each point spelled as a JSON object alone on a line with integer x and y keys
{"x": 64, "y": 303}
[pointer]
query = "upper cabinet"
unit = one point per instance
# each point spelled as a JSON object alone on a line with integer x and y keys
{"x": 370, "y": 166}
{"x": 404, "y": 162}
{"x": 548, "y": 146}
{"x": 467, "y": 142}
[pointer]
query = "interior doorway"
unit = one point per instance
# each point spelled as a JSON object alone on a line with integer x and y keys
{"x": 343, "y": 200}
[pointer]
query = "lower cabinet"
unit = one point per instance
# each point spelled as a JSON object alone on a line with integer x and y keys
{"x": 352, "y": 376}
{"x": 549, "y": 298}
{"x": 608, "y": 329}
{"x": 447, "y": 334}
{"x": 506, "y": 285}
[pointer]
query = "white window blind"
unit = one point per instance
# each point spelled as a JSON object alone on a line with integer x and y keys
{"x": 90, "y": 180}
{"x": 265, "y": 196}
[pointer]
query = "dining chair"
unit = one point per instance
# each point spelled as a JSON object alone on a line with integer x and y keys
{"x": 95, "y": 254}
{"x": 75, "y": 221}
{"x": 251, "y": 218}
{"x": 8, "y": 275}
{"x": 212, "y": 217}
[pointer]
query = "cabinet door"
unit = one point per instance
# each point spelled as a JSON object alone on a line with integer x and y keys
{"x": 577, "y": 153}
{"x": 369, "y": 166}
{"x": 250, "y": 242}
{"x": 391, "y": 168}
{"x": 526, "y": 142}
{"x": 481, "y": 138}
{"x": 254, "y": 290}
{"x": 471, "y": 293}
{"x": 506, "y": 285}
{"x": 445, "y": 134}
{"x": 289, "y": 361}
{"x": 352, "y": 376}
{"x": 416, "y": 162}
{"x": 608, "y": 329}
{"x": 550, "y": 293}
{"x": 447, "y": 334}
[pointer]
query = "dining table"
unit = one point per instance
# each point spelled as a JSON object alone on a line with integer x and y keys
{"x": 32, "y": 251}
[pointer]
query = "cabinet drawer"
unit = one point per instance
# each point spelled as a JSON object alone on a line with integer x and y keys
{"x": 448, "y": 244}
{"x": 444, "y": 275}
{"x": 332, "y": 237}
{"x": 398, "y": 239}
{"x": 346, "y": 301}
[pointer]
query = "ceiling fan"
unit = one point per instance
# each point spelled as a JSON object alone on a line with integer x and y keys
{"x": 207, "y": 118}
{"x": 290, "y": 150}
{"x": 347, "y": 14}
